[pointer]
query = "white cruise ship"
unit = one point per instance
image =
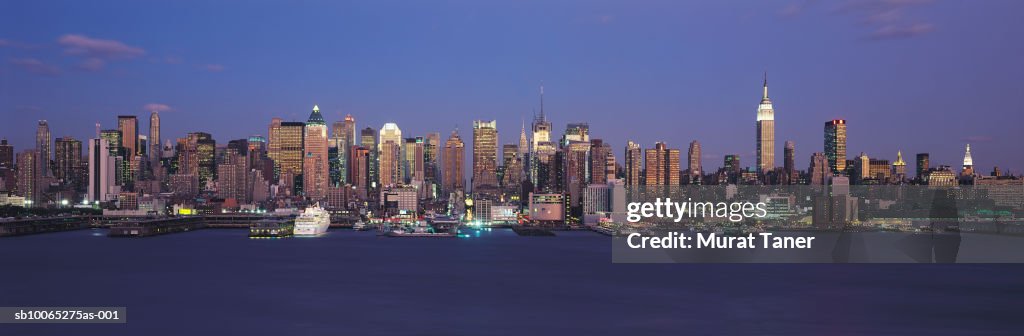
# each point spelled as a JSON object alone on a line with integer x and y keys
{"x": 312, "y": 222}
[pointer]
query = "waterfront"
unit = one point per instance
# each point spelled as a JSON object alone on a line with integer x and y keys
{"x": 217, "y": 281}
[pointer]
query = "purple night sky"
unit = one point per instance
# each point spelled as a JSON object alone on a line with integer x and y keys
{"x": 910, "y": 75}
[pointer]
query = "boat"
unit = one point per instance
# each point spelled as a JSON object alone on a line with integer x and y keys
{"x": 418, "y": 231}
{"x": 360, "y": 226}
{"x": 312, "y": 222}
{"x": 269, "y": 228}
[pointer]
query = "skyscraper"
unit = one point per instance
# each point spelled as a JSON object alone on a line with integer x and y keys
{"x": 575, "y": 170}
{"x": 599, "y": 151}
{"x": 291, "y": 148}
{"x": 790, "y": 175}
{"x": 485, "y": 153}
{"x": 662, "y": 165}
{"x": 102, "y": 171}
{"x": 453, "y": 177}
{"x": 154, "y": 139}
{"x": 731, "y": 163}
{"x": 43, "y": 149}
{"x": 835, "y": 145}
{"x": 431, "y": 149}
{"x": 634, "y": 163}
{"x": 524, "y": 146}
{"x": 6, "y": 154}
{"x": 693, "y": 161}
{"x": 274, "y": 144}
{"x": 413, "y": 161}
{"x": 28, "y": 176}
{"x": 368, "y": 140}
{"x": 129, "y": 127}
{"x": 390, "y": 155}
{"x": 765, "y": 132}
{"x": 899, "y": 168}
{"x": 922, "y": 166}
{"x": 576, "y": 132}
{"x": 67, "y": 161}
{"x": 7, "y": 174}
{"x": 819, "y": 170}
{"x": 968, "y": 163}
{"x": 315, "y": 169}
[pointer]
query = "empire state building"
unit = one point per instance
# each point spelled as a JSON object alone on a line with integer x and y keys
{"x": 765, "y": 132}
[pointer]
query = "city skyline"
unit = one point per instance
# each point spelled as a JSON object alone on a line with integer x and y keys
{"x": 889, "y": 102}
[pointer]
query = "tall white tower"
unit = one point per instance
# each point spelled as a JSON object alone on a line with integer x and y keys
{"x": 765, "y": 132}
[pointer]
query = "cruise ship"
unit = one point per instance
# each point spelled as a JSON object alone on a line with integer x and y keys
{"x": 312, "y": 222}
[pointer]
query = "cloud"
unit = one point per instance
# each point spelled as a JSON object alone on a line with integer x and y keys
{"x": 213, "y": 67}
{"x": 36, "y": 66}
{"x": 883, "y": 19}
{"x": 172, "y": 60}
{"x": 4, "y": 43}
{"x": 91, "y": 64}
{"x": 978, "y": 138}
{"x": 902, "y": 31}
{"x": 81, "y": 45}
{"x": 156, "y": 107}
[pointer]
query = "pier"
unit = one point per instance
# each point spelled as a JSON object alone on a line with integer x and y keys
{"x": 156, "y": 226}
{"x": 27, "y": 226}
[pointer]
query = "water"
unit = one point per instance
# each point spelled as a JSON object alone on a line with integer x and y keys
{"x": 355, "y": 283}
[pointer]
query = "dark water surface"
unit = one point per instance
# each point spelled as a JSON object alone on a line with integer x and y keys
{"x": 354, "y": 283}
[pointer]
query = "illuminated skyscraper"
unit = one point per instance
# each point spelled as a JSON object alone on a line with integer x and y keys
{"x": 7, "y": 174}
{"x": 154, "y": 139}
{"x": 390, "y": 163}
{"x": 662, "y": 165}
{"x": 899, "y": 168}
{"x": 315, "y": 169}
{"x": 835, "y": 145}
{"x": 599, "y": 151}
{"x": 454, "y": 151}
{"x": 574, "y": 170}
{"x": 129, "y": 127}
{"x": 390, "y": 155}
{"x": 485, "y": 153}
{"x": 43, "y": 149}
{"x": 524, "y": 146}
{"x": 576, "y": 132}
{"x": 431, "y": 150}
{"x": 542, "y": 151}
{"x": 968, "y": 163}
{"x": 68, "y": 161}
{"x": 765, "y": 132}
{"x": 413, "y": 161}
{"x": 28, "y": 176}
{"x": 922, "y": 166}
{"x": 634, "y": 163}
{"x": 102, "y": 171}
{"x": 274, "y": 144}
{"x": 6, "y": 155}
{"x": 693, "y": 161}
{"x": 368, "y": 140}
{"x": 291, "y": 138}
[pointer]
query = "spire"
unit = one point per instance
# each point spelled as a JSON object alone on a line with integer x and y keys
{"x": 765, "y": 85}
{"x": 315, "y": 117}
{"x": 899, "y": 159}
{"x": 968, "y": 161}
{"x": 542, "y": 118}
